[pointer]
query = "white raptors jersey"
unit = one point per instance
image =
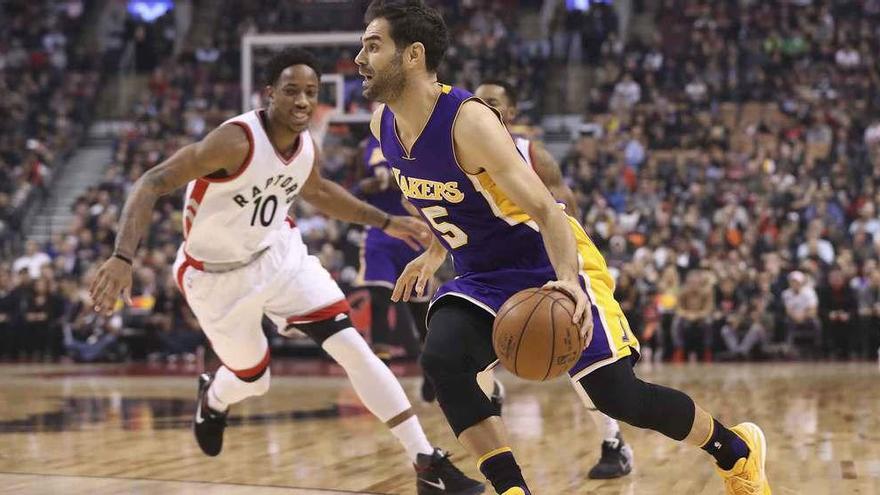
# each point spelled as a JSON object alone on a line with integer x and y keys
{"x": 231, "y": 219}
{"x": 525, "y": 149}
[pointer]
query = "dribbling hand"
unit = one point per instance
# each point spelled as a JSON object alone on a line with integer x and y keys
{"x": 583, "y": 309}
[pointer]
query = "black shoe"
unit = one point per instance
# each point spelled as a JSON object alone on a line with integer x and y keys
{"x": 616, "y": 460}
{"x": 428, "y": 393}
{"x": 498, "y": 395}
{"x": 437, "y": 475}
{"x": 208, "y": 425}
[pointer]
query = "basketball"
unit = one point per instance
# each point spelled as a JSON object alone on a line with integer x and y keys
{"x": 533, "y": 334}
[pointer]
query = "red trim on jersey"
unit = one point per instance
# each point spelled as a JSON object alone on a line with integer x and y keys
{"x": 198, "y": 265}
{"x": 290, "y": 221}
{"x": 299, "y": 146}
{"x": 197, "y": 195}
{"x": 322, "y": 314}
{"x": 181, "y": 270}
{"x": 531, "y": 155}
{"x": 247, "y": 159}
{"x": 254, "y": 371}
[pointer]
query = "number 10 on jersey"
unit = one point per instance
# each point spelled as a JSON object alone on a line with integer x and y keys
{"x": 262, "y": 212}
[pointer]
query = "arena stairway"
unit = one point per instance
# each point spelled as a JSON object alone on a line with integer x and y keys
{"x": 85, "y": 168}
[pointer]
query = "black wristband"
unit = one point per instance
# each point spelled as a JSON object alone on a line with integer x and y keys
{"x": 123, "y": 258}
{"x": 386, "y": 223}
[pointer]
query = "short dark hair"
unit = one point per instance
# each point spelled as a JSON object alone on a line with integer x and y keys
{"x": 287, "y": 57}
{"x": 509, "y": 90}
{"x": 412, "y": 21}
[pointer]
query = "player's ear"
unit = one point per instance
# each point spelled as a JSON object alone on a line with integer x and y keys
{"x": 414, "y": 53}
{"x": 269, "y": 91}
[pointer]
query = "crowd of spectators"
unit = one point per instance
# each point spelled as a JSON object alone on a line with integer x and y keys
{"x": 46, "y": 85}
{"x": 729, "y": 172}
{"x": 735, "y": 150}
{"x": 48, "y": 81}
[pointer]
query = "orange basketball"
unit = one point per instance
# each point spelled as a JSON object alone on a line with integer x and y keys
{"x": 534, "y": 336}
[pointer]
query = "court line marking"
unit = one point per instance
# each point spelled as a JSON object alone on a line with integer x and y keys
{"x": 221, "y": 483}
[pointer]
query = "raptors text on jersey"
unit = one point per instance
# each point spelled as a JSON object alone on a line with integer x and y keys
{"x": 230, "y": 219}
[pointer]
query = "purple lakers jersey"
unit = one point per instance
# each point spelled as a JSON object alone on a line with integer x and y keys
{"x": 389, "y": 199}
{"x": 482, "y": 229}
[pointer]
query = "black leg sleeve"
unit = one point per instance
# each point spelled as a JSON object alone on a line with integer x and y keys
{"x": 459, "y": 345}
{"x": 617, "y": 392}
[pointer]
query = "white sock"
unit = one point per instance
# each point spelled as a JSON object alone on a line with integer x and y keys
{"x": 608, "y": 425}
{"x": 411, "y": 435}
{"x": 214, "y": 403}
{"x": 377, "y": 388}
{"x": 228, "y": 389}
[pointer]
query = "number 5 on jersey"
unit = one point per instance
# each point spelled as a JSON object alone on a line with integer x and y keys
{"x": 453, "y": 235}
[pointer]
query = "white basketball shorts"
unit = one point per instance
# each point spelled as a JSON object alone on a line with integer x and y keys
{"x": 285, "y": 283}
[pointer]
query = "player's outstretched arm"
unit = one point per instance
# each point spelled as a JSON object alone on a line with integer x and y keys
{"x": 482, "y": 143}
{"x": 224, "y": 149}
{"x": 551, "y": 175}
{"x": 336, "y": 202}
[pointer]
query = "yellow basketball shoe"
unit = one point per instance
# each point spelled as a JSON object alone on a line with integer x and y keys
{"x": 515, "y": 491}
{"x": 747, "y": 476}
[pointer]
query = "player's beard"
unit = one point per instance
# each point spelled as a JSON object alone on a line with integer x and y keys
{"x": 389, "y": 85}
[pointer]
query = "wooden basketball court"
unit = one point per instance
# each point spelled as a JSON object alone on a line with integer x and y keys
{"x": 125, "y": 429}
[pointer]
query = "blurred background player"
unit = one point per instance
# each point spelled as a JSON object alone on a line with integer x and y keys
{"x": 383, "y": 257}
{"x": 617, "y": 456}
{"x": 243, "y": 257}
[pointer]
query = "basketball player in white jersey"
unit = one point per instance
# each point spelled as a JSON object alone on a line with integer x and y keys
{"x": 616, "y": 459}
{"x": 243, "y": 257}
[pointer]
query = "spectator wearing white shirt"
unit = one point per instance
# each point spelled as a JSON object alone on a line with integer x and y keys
{"x": 801, "y": 313}
{"x": 814, "y": 245}
{"x": 627, "y": 93}
{"x": 848, "y": 57}
{"x": 867, "y": 221}
{"x": 33, "y": 260}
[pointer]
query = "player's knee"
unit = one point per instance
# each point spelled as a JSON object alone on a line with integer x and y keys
{"x": 320, "y": 331}
{"x": 350, "y": 350}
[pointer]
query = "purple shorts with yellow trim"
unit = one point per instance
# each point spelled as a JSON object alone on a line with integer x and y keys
{"x": 612, "y": 337}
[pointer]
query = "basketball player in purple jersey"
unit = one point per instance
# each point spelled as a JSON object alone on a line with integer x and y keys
{"x": 383, "y": 259}
{"x": 616, "y": 458}
{"x": 456, "y": 163}
{"x": 243, "y": 257}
